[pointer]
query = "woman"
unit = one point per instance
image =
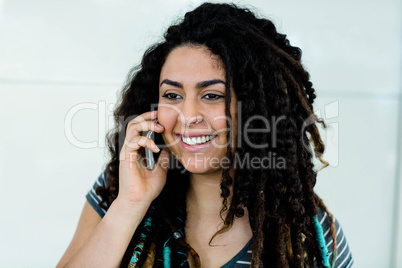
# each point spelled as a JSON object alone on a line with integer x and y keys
{"x": 230, "y": 92}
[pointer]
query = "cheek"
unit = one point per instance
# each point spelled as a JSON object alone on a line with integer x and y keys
{"x": 166, "y": 117}
{"x": 163, "y": 115}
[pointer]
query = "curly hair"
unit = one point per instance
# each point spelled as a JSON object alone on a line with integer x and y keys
{"x": 269, "y": 80}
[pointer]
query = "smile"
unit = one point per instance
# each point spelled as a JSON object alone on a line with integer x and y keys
{"x": 197, "y": 140}
{"x": 194, "y": 144}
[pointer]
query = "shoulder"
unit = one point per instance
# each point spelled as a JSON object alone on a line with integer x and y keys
{"x": 344, "y": 257}
{"x": 93, "y": 198}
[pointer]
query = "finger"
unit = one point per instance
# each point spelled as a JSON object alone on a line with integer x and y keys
{"x": 136, "y": 129}
{"x": 141, "y": 141}
{"x": 132, "y": 151}
{"x": 144, "y": 117}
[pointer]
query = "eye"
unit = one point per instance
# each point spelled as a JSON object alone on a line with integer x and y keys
{"x": 170, "y": 96}
{"x": 213, "y": 96}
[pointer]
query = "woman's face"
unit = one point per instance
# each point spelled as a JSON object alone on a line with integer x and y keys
{"x": 192, "y": 83}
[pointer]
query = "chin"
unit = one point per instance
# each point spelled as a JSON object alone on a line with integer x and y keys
{"x": 204, "y": 171}
{"x": 200, "y": 165}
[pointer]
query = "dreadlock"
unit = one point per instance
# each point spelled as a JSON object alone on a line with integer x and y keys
{"x": 269, "y": 80}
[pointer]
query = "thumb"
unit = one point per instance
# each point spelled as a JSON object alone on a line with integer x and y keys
{"x": 164, "y": 158}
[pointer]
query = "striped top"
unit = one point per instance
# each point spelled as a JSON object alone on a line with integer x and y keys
{"x": 242, "y": 259}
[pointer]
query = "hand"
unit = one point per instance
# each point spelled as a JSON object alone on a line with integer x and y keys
{"x": 137, "y": 184}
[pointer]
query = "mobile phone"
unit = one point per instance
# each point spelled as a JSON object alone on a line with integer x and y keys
{"x": 148, "y": 153}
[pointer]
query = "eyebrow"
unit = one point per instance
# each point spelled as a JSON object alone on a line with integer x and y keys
{"x": 199, "y": 85}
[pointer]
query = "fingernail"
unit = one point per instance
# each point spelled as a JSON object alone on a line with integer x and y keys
{"x": 160, "y": 126}
{"x": 156, "y": 147}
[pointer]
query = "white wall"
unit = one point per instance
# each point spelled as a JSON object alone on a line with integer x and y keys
{"x": 55, "y": 55}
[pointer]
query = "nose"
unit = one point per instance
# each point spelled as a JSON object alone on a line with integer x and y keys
{"x": 191, "y": 114}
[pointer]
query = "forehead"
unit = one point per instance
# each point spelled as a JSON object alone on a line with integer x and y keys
{"x": 192, "y": 63}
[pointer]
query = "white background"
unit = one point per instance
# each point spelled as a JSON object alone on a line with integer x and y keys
{"x": 55, "y": 55}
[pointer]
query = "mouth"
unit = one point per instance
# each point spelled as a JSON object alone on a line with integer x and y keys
{"x": 195, "y": 143}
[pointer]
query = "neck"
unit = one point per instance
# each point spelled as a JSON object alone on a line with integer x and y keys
{"x": 204, "y": 195}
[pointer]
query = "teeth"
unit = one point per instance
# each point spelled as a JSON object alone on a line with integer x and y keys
{"x": 197, "y": 140}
